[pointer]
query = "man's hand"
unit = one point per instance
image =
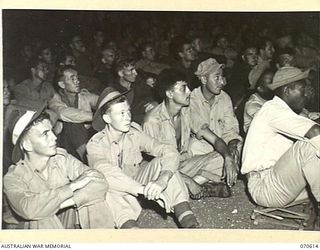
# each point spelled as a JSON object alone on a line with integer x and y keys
{"x": 153, "y": 189}
{"x": 149, "y": 106}
{"x": 230, "y": 171}
{"x": 86, "y": 177}
{"x": 233, "y": 148}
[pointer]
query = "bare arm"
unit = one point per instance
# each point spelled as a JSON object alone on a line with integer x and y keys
{"x": 230, "y": 167}
{"x": 313, "y": 131}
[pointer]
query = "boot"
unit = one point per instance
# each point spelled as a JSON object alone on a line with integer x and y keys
{"x": 185, "y": 215}
{"x": 129, "y": 224}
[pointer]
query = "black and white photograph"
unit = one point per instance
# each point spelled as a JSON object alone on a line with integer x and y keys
{"x": 135, "y": 119}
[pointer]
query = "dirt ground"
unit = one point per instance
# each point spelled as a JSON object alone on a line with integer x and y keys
{"x": 218, "y": 213}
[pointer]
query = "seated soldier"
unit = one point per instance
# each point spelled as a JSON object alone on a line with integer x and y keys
{"x": 169, "y": 122}
{"x": 46, "y": 54}
{"x": 45, "y": 187}
{"x": 287, "y": 159}
{"x": 148, "y": 62}
{"x": 36, "y": 90}
{"x": 78, "y": 49}
{"x": 257, "y": 99}
{"x": 74, "y": 107}
{"x": 212, "y": 107}
{"x": 116, "y": 151}
{"x": 87, "y": 82}
{"x": 140, "y": 98}
{"x": 105, "y": 68}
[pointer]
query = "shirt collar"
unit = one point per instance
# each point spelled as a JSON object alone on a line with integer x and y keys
{"x": 163, "y": 112}
{"x": 281, "y": 102}
{"x": 109, "y": 137}
{"x": 199, "y": 96}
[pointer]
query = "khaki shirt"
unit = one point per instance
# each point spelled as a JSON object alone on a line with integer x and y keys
{"x": 27, "y": 95}
{"x": 37, "y": 200}
{"x": 82, "y": 113}
{"x": 219, "y": 117}
{"x": 152, "y": 67}
{"x": 158, "y": 124}
{"x": 120, "y": 164}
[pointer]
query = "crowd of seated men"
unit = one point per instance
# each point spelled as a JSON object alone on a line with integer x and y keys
{"x": 94, "y": 127}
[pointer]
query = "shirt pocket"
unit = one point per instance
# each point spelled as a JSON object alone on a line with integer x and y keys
{"x": 132, "y": 157}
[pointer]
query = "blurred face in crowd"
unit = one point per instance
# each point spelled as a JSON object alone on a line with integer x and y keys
{"x": 108, "y": 56}
{"x": 70, "y": 61}
{"x": 180, "y": 93}
{"x": 27, "y": 51}
{"x": 215, "y": 82}
{"x": 70, "y": 83}
{"x": 77, "y": 44}
{"x": 268, "y": 50}
{"x": 40, "y": 139}
{"x": 6, "y": 93}
{"x": 222, "y": 43}
{"x": 188, "y": 53}
{"x": 149, "y": 53}
{"x": 40, "y": 71}
{"x": 197, "y": 44}
{"x": 286, "y": 60}
{"x": 263, "y": 89}
{"x": 118, "y": 116}
{"x": 251, "y": 56}
{"x": 99, "y": 37}
{"x": 128, "y": 73}
{"x": 150, "y": 81}
{"x": 47, "y": 55}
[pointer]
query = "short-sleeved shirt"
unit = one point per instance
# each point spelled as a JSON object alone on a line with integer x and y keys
{"x": 252, "y": 106}
{"x": 272, "y": 132}
{"x": 219, "y": 116}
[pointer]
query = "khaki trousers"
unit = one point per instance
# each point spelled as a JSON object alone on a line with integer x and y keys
{"x": 209, "y": 165}
{"x": 286, "y": 181}
{"x": 126, "y": 207}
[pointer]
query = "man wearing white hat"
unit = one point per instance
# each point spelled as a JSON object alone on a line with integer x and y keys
{"x": 46, "y": 188}
{"x": 116, "y": 151}
{"x": 282, "y": 149}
